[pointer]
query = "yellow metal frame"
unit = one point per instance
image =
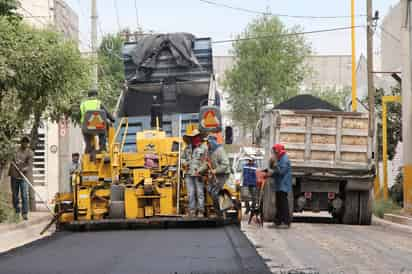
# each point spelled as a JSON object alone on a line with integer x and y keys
{"x": 385, "y": 101}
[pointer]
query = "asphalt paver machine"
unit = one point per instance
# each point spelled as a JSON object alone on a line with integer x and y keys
{"x": 138, "y": 181}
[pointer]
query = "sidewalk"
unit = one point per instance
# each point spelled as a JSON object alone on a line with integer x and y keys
{"x": 17, "y": 234}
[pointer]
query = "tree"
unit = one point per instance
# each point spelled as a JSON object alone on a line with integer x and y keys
{"x": 41, "y": 76}
{"x": 49, "y": 73}
{"x": 9, "y": 8}
{"x": 269, "y": 68}
{"x": 332, "y": 95}
{"x": 111, "y": 69}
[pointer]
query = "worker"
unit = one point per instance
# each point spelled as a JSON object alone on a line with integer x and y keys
{"x": 249, "y": 181}
{"x": 92, "y": 103}
{"x": 281, "y": 173}
{"x": 74, "y": 166}
{"x": 24, "y": 161}
{"x": 218, "y": 166}
{"x": 192, "y": 158}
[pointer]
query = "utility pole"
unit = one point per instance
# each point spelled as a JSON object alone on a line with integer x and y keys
{"x": 354, "y": 82}
{"x": 371, "y": 90}
{"x": 94, "y": 44}
{"x": 406, "y": 36}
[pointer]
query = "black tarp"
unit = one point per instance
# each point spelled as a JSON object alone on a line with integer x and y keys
{"x": 306, "y": 102}
{"x": 147, "y": 50}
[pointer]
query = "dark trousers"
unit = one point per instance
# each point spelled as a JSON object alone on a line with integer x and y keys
{"x": 19, "y": 185}
{"x": 88, "y": 140}
{"x": 253, "y": 193}
{"x": 282, "y": 208}
{"x": 214, "y": 188}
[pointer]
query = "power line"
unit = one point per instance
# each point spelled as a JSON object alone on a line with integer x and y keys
{"x": 274, "y": 14}
{"x": 285, "y": 34}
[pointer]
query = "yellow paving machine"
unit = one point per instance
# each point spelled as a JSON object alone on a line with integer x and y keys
{"x": 138, "y": 179}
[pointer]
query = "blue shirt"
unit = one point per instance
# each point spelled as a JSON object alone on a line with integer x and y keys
{"x": 283, "y": 175}
{"x": 249, "y": 175}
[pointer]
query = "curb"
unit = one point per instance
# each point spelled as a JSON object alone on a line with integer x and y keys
{"x": 398, "y": 219}
{"x": 25, "y": 224}
{"x": 391, "y": 225}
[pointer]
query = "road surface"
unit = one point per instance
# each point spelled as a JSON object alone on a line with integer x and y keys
{"x": 316, "y": 245}
{"x": 206, "y": 250}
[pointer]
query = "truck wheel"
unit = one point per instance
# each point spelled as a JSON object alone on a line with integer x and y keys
{"x": 351, "y": 210}
{"x": 365, "y": 208}
{"x": 291, "y": 201}
{"x": 269, "y": 202}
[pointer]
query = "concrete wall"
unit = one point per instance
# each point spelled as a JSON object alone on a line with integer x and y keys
{"x": 390, "y": 39}
{"x": 66, "y": 20}
{"x": 38, "y": 13}
{"x": 328, "y": 71}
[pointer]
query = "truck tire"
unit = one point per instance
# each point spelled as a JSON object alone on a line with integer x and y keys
{"x": 351, "y": 209}
{"x": 268, "y": 201}
{"x": 365, "y": 207}
{"x": 116, "y": 193}
{"x": 116, "y": 210}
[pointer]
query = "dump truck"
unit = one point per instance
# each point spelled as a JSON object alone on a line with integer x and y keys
{"x": 169, "y": 91}
{"x": 331, "y": 156}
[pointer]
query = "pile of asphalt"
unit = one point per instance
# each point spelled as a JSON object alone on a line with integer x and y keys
{"x": 306, "y": 102}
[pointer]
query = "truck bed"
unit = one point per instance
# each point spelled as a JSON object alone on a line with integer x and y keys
{"x": 322, "y": 141}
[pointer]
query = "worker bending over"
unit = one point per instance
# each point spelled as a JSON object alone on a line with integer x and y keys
{"x": 219, "y": 169}
{"x": 194, "y": 155}
{"x": 93, "y": 104}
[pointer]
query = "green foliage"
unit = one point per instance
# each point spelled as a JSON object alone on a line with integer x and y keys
{"x": 268, "y": 70}
{"x": 111, "y": 70}
{"x": 332, "y": 95}
{"x": 394, "y": 122}
{"x": 381, "y": 207}
{"x": 6, "y": 210}
{"x": 41, "y": 76}
{"x": 396, "y": 191}
{"x": 9, "y": 8}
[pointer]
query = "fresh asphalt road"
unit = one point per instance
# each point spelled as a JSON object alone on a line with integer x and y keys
{"x": 202, "y": 250}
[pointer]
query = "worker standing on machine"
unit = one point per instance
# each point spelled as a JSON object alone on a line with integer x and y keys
{"x": 192, "y": 158}
{"x": 92, "y": 103}
{"x": 218, "y": 166}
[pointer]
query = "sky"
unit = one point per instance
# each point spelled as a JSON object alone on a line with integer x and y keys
{"x": 203, "y": 19}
